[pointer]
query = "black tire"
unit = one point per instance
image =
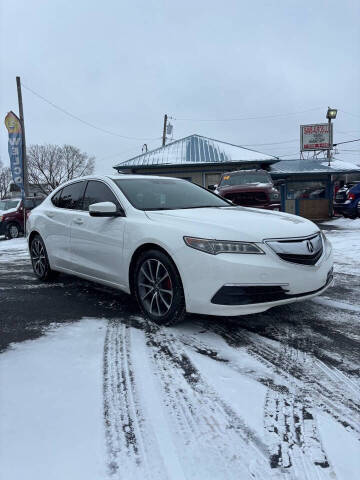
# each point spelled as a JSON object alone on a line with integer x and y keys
{"x": 158, "y": 288}
{"x": 40, "y": 260}
{"x": 13, "y": 230}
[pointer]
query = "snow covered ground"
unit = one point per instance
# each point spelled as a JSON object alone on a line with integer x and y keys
{"x": 269, "y": 396}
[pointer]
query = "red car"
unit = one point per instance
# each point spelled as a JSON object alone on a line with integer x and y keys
{"x": 12, "y": 215}
{"x": 249, "y": 188}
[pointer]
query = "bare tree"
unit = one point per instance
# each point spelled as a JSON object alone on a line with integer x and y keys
{"x": 5, "y": 178}
{"x": 50, "y": 165}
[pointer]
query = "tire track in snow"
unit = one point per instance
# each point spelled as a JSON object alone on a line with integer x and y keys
{"x": 309, "y": 384}
{"x": 131, "y": 448}
{"x": 291, "y": 428}
{"x": 329, "y": 388}
{"x": 217, "y": 441}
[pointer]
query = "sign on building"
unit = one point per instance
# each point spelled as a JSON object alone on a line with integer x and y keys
{"x": 317, "y": 136}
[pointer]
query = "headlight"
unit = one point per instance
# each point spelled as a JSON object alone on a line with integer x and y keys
{"x": 1, "y": 218}
{"x": 221, "y": 246}
{"x": 326, "y": 244}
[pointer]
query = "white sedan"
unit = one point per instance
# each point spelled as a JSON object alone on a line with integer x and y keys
{"x": 177, "y": 247}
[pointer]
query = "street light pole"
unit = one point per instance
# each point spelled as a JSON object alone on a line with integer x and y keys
{"x": 331, "y": 114}
{"x": 328, "y": 152}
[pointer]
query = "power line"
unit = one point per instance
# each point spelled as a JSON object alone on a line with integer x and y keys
{"x": 84, "y": 121}
{"x": 273, "y": 143}
{"x": 349, "y": 141}
{"x": 247, "y": 118}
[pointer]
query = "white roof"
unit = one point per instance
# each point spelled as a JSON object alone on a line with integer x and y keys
{"x": 196, "y": 149}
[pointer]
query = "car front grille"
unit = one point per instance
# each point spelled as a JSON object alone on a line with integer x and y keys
{"x": 303, "y": 251}
{"x": 248, "y": 198}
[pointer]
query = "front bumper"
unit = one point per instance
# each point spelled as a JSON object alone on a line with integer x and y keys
{"x": 2, "y": 228}
{"x": 205, "y": 275}
{"x": 254, "y": 294}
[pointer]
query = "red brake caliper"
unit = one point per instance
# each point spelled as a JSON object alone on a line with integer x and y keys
{"x": 167, "y": 282}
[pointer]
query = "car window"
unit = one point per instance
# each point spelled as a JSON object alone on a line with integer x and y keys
{"x": 98, "y": 192}
{"x": 167, "y": 194}
{"x": 244, "y": 178}
{"x": 7, "y": 204}
{"x": 56, "y": 198}
{"x": 72, "y": 196}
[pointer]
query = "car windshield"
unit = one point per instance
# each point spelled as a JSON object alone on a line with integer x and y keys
{"x": 167, "y": 194}
{"x": 7, "y": 204}
{"x": 244, "y": 178}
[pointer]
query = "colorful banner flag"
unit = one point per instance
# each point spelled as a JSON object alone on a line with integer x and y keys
{"x": 13, "y": 125}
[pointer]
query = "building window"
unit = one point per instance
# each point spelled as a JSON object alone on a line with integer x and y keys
{"x": 306, "y": 190}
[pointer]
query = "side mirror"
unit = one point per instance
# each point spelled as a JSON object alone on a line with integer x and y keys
{"x": 105, "y": 209}
{"x": 212, "y": 187}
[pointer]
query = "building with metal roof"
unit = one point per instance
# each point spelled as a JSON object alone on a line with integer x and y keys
{"x": 199, "y": 159}
{"x": 313, "y": 166}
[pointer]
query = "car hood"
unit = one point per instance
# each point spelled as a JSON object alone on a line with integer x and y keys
{"x": 10, "y": 210}
{"x": 235, "y": 223}
{"x": 250, "y": 187}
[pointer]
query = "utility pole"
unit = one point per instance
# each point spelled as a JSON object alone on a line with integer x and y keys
{"x": 164, "y": 130}
{"x": 21, "y": 116}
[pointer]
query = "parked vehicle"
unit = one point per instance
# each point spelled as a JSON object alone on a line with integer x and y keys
{"x": 177, "y": 247}
{"x": 347, "y": 200}
{"x": 249, "y": 188}
{"x": 12, "y": 215}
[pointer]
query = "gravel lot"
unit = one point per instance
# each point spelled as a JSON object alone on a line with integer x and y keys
{"x": 89, "y": 390}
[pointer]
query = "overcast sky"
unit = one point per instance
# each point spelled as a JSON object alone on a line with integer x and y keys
{"x": 122, "y": 64}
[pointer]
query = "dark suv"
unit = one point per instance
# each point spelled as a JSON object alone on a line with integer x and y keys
{"x": 249, "y": 188}
{"x": 347, "y": 201}
{"x": 12, "y": 215}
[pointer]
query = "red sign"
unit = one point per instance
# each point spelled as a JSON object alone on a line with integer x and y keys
{"x": 316, "y": 137}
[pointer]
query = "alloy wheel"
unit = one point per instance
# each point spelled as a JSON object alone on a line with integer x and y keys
{"x": 155, "y": 287}
{"x": 38, "y": 258}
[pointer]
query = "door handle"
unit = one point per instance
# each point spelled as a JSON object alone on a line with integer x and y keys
{"x": 50, "y": 214}
{"x": 78, "y": 221}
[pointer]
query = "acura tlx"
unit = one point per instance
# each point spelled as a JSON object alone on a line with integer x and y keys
{"x": 177, "y": 247}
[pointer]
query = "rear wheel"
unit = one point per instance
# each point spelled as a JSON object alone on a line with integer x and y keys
{"x": 39, "y": 259}
{"x": 158, "y": 288}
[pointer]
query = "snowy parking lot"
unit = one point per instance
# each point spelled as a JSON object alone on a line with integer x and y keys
{"x": 91, "y": 391}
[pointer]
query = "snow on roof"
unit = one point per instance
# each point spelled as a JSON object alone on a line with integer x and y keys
{"x": 301, "y": 166}
{"x": 196, "y": 149}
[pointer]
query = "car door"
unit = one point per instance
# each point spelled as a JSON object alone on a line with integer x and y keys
{"x": 97, "y": 242}
{"x": 59, "y": 214}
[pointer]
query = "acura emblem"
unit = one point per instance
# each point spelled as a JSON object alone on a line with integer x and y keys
{"x": 310, "y": 246}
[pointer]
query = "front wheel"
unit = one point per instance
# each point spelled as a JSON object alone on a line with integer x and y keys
{"x": 39, "y": 259}
{"x": 13, "y": 231}
{"x": 158, "y": 288}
